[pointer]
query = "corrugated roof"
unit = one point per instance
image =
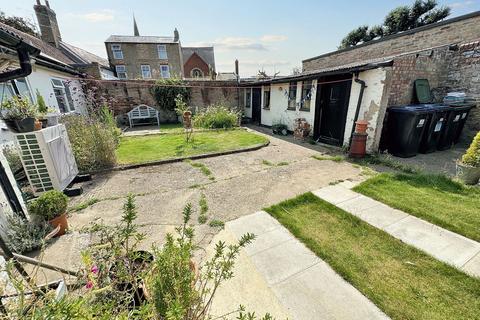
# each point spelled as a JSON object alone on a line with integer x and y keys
{"x": 206, "y": 53}
{"x": 140, "y": 39}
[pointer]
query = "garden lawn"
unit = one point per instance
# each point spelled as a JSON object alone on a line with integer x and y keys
{"x": 141, "y": 149}
{"x": 402, "y": 281}
{"x": 434, "y": 198}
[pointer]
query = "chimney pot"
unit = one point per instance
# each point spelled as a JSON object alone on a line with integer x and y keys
{"x": 48, "y": 5}
{"x": 176, "y": 35}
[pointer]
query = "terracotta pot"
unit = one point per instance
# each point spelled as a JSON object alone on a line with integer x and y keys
{"x": 361, "y": 126}
{"x": 37, "y": 125}
{"x": 60, "y": 221}
{"x": 468, "y": 174}
{"x": 359, "y": 145}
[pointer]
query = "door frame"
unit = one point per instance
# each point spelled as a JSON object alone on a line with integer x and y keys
{"x": 257, "y": 110}
{"x": 318, "y": 108}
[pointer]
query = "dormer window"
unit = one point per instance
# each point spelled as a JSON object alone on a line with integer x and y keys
{"x": 117, "y": 52}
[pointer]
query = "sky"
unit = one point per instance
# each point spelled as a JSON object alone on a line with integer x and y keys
{"x": 269, "y": 35}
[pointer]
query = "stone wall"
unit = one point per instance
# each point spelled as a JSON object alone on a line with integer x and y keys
{"x": 457, "y": 30}
{"x": 128, "y": 94}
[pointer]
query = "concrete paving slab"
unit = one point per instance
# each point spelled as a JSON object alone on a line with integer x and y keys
{"x": 438, "y": 242}
{"x": 257, "y": 223}
{"x": 356, "y": 205}
{"x": 472, "y": 267}
{"x": 382, "y": 216}
{"x": 276, "y": 237}
{"x": 281, "y": 262}
{"x": 335, "y": 194}
{"x": 320, "y": 293}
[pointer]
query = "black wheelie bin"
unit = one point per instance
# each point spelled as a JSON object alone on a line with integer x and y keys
{"x": 406, "y": 125}
{"x": 453, "y": 127}
{"x": 434, "y": 127}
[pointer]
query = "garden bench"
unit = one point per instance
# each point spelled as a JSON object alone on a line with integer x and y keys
{"x": 142, "y": 112}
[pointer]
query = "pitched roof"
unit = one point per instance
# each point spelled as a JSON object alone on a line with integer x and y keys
{"x": 206, "y": 53}
{"x": 139, "y": 39}
{"x": 80, "y": 56}
{"x": 46, "y": 49}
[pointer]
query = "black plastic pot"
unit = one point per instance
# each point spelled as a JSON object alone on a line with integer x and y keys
{"x": 23, "y": 125}
{"x": 44, "y": 123}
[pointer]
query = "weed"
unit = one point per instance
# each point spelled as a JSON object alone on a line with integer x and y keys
{"x": 268, "y": 163}
{"x": 215, "y": 223}
{"x": 331, "y": 158}
{"x": 84, "y": 205}
{"x": 282, "y": 163}
{"x": 203, "y": 168}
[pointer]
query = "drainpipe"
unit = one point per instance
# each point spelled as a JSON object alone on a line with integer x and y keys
{"x": 360, "y": 97}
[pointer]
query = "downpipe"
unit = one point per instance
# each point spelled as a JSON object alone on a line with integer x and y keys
{"x": 363, "y": 85}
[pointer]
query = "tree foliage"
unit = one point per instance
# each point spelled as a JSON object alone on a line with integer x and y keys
{"x": 403, "y": 18}
{"x": 166, "y": 91}
{"x": 19, "y": 23}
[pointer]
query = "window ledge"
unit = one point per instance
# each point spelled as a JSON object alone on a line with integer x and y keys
{"x": 266, "y": 108}
{"x": 304, "y": 110}
{"x": 291, "y": 109}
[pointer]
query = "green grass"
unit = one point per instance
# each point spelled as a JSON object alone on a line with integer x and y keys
{"x": 171, "y": 128}
{"x": 84, "y": 205}
{"x": 402, "y": 281}
{"x": 215, "y": 223}
{"x": 203, "y": 168}
{"x": 331, "y": 158}
{"x": 141, "y": 149}
{"x": 434, "y": 198}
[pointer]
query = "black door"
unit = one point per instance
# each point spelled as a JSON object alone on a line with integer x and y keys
{"x": 331, "y": 112}
{"x": 257, "y": 105}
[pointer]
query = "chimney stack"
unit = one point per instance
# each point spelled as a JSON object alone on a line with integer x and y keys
{"x": 47, "y": 19}
{"x": 176, "y": 35}
{"x": 236, "y": 70}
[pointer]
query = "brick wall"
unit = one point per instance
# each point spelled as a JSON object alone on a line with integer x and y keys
{"x": 195, "y": 62}
{"x": 128, "y": 94}
{"x": 457, "y": 30}
{"x": 446, "y": 70}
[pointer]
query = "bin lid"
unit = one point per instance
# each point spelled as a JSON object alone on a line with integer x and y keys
{"x": 414, "y": 108}
{"x": 422, "y": 91}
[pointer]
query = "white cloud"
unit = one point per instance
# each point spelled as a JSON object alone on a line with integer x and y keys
{"x": 99, "y": 16}
{"x": 238, "y": 43}
{"x": 273, "y": 38}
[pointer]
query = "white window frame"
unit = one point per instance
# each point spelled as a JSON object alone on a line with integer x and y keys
{"x": 162, "y": 52}
{"x": 64, "y": 93}
{"x": 165, "y": 71}
{"x": 117, "y": 51}
{"x": 146, "y": 71}
{"x": 121, "y": 69}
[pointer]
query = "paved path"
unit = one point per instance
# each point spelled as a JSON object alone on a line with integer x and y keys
{"x": 442, "y": 244}
{"x": 304, "y": 285}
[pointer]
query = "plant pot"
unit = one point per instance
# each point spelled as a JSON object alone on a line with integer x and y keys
{"x": 361, "y": 126}
{"x": 60, "y": 221}
{"x": 44, "y": 123}
{"x": 38, "y": 125}
{"x": 468, "y": 174}
{"x": 26, "y": 125}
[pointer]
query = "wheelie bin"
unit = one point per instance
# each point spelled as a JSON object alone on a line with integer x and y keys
{"x": 453, "y": 127}
{"x": 406, "y": 125}
{"x": 434, "y": 127}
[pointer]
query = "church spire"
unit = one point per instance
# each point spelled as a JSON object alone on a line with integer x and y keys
{"x": 135, "y": 27}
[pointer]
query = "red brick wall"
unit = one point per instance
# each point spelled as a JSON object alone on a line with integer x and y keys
{"x": 195, "y": 62}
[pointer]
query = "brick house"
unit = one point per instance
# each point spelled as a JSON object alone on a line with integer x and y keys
{"x": 155, "y": 57}
{"x": 336, "y": 88}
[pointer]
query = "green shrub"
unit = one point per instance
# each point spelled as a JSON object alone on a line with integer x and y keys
{"x": 165, "y": 91}
{"x": 93, "y": 142}
{"x": 25, "y": 236}
{"x": 17, "y": 108}
{"x": 472, "y": 155}
{"x": 49, "y": 205}
{"x": 216, "y": 117}
{"x": 12, "y": 154}
{"x": 42, "y": 106}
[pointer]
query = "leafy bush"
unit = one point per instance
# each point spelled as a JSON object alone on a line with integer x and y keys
{"x": 216, "y": 117}
{"x": 49, "y": 205}
{"x": 25, "y": 236}
{"x": 165, "y": 91}
{"x": 472, "y": 155}
{"x": 17, "y": 108}
{"x": 93, "y": 142}
{"x": 42, "y": 106}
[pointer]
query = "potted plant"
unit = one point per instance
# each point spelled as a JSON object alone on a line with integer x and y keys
{"x": 42, "y": 110}
{"x": 52, "y": 207}
{"x": 19, "y": 114}
{"x": 468, "y": 169}
{"x": 280, "y": 128}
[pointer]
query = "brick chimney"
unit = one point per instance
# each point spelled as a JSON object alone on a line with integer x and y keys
{"x": 47, "y": 20}
{"x": 176, "y": 35}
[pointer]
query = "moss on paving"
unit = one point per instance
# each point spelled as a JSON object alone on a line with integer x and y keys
{"x": 402, "y": 281}
{"x": 331, "y": 158}
{"x": 435, "y": 198}
{"x": 141, "y": 149}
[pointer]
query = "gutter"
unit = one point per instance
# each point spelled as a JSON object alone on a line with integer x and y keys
{"x": 24, "y": 52}
{"x": 43, "y": 62}
{"x": 363, "y": 85}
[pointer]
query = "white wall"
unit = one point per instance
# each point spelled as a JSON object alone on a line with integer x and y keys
{"x": 278, "y": 112}
{"x": 370, "y": 108}
{"x": 40, "y": 79}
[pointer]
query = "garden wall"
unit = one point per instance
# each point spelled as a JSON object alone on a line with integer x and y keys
{"x": 128, "y": 94}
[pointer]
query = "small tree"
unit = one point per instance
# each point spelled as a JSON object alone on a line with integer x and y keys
{"x": 165, "y": 91}
{"x": 19, "y": 23}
